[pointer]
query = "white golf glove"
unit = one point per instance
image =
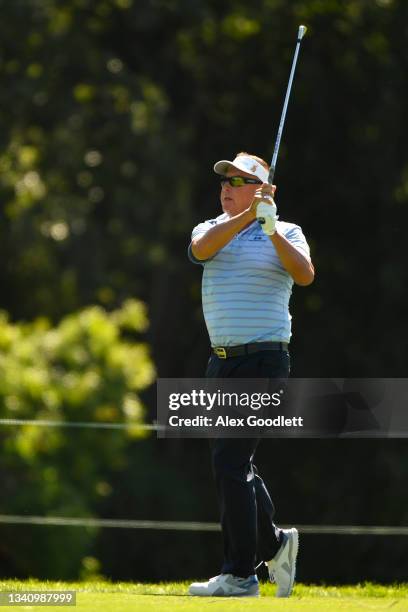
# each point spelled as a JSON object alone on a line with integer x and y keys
{"x": 266, "y": 215}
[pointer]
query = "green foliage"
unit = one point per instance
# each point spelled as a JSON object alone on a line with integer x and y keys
{"x": 114, "y": 112}
{"x": 90, "y": 367}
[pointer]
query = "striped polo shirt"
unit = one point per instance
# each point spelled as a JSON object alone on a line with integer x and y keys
{"x": 245, "y": 288}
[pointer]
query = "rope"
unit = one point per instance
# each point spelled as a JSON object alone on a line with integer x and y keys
{"x": 80, "y": 424}
{"x": 64, "y": 521}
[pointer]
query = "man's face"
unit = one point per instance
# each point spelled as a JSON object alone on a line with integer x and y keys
{"x": 235, "y": 200}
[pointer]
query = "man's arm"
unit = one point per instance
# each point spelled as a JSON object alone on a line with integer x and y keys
{"x": 294, "y": 261}
{"x": 207, "y": 245}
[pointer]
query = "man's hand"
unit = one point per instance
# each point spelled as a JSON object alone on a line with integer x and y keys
{"x": 264, "y": 194}
{"x": 267, "y": 217}
{"x": 265, "y": 208}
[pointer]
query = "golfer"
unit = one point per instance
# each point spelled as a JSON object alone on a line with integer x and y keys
{"x": 250, "y": 260}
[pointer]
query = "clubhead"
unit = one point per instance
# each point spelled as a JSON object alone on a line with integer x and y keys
{"x": 302, "y": 31}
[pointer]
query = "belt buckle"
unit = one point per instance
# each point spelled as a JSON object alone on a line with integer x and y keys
{"x": 220, "y": 352}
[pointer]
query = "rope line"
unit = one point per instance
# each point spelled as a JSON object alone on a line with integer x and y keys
{"x": 81, "y": 424}
{"x": 156, "y": 427}
{"x": 64, "y": 521}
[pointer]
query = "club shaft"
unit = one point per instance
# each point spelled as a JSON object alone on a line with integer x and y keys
{"x": 283, "y": 116}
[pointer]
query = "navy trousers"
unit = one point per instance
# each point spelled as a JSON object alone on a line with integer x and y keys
{"x": 246, "y": 508}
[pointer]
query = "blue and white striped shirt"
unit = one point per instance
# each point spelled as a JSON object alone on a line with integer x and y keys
{"x": 245, "y": 288}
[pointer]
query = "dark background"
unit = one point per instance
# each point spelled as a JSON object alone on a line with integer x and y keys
{"x": 112, "y": 115}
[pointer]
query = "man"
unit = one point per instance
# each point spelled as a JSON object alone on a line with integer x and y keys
{"x": 251, "y": 261}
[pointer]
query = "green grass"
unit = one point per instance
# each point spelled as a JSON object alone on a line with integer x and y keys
{"x": 134, "y": 597}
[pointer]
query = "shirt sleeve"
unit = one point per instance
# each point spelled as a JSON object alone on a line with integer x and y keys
{"x": 201, "y": 228}
{"x": 296, "y": 237}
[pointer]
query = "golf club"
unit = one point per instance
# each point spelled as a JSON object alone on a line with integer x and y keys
{"x": 301, "y": 33}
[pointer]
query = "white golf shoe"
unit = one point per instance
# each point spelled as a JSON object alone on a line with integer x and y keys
{"x": 226, "y": 585}
{"x": 282, "y": 568}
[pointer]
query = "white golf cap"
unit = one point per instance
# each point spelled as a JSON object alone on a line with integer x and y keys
{"x": 246, "y": 163}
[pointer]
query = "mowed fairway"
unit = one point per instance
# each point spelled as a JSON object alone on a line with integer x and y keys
{"x": 127, "y": 597}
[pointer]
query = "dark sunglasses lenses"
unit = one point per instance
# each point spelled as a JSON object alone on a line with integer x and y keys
{"x": 239, "y": 181}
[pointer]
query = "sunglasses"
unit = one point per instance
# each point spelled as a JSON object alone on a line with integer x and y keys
{"x": 239, "y": 181}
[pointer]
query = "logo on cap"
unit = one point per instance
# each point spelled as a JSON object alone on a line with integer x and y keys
{"x": 253, "y": 169}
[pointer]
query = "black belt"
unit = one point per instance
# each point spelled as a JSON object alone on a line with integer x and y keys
{"x": 245, "y": 349}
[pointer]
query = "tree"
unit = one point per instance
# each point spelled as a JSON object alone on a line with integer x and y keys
{"x": 88, "y": 368}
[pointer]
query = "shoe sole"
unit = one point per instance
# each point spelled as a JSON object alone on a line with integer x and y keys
{"x": 293, "y": 553}
{"x": 240, "y": 595}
